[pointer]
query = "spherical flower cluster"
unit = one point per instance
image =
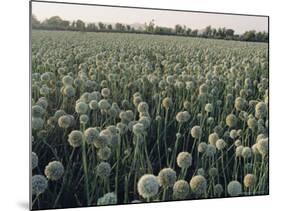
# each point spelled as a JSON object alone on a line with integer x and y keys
{"x": 213, "y": 137}
{"x": 196, "y": 132}
{"x": 67, "y": 80}
{"x": 167, "y": 102}
{"x": 198, "y": 184}
{"x": 103, "y": 170}
{"x": 233, "y": 134}
{"x": 202, "y": 147}
{"x": 75, "y": 138}
{"x": 104, "y": 153}
{"x": 239, "y": 150}
{"x": 231, "y": 120}
{"x": 182, "y": 117}
{"x": 218, "y": 190}
{"x": 39, "y": 184}
{"x": 34, "y": 160}
{"x": 93, "y": 104}
{"x": 64, "y": 121}
{"x": 240, "y": 104}
{"x": 249, "y": 180}
{"x": 102, "y": 140}
{"x": 167, "y": 177}
{"x": 69, "y": 91}
{"x": 209, "y": 107}
{"x": 83, "y": 119}
{"x": 143, "y": 107}
{"x": 252, "y": 123}
{"x": 210, "y": 151}
{"x": 37, "y": 111}
{"x": 109, "y": 198}
{"x": 201, "y": 172}
{"x": 138, "y": 129}
{"x": 246, "y": 152}
{"x": 104, "y": 104}
{"x": 220, "y": 144}
{"x": 37, "y": 123}
{"x": 262, "y": 146}
{"x": 81, "y": 108}
{"x": 213, "y": 172}
{"x": 180, "y": 189}
{"x": 184, "y": 160}
{"x": 261, "y": 110}
{"x": 54, "y": 170}
{"x": 234, "y": 188}
{"x": 105, "y": 92}
{"x": 148, "y": 186}
{"x": 91, "y": 134}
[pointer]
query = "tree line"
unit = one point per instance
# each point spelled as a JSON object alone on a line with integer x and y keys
{"x": 57, "y": 23}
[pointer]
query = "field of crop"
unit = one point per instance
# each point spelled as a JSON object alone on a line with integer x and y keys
{"x": 129, "y": 118}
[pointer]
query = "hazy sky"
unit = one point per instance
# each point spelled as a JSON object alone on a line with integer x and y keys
{"x": 193, "y": 20}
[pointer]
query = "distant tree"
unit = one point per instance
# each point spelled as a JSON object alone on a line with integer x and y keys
{"x": 80, "y": 25}
{"x": 102, "y": 26}
{"x": 150, "y": 27}
{"x": 178, "y": 29}
{"x": 109, "y": 27}
{"x": 249, "y": 36}
{"x": 194, "y": 32}
{"x": 207, "y": 32}
{"x": 54, "y": 22}
{"x": 214, "y": 32}
{"x": 229, "y": 32}
{"x": 128, "y": 27}
{"x": 91, "y": 27}
{"x": 188, "y": 31}
{"x": 119, "y": 27}
{"x": 35, "y": 23}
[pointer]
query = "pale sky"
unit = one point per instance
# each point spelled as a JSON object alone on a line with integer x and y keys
{"x": 194, "y": 20}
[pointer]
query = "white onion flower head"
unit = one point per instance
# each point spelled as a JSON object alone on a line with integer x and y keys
{"x": 81, "y": 108}
{"x": 104, "y": 153}
{"x": 231, "y": 120}
{"x": 202, "y": 147}
{"x": 196, "y": 132}
{"x": 263, "y": 146}
{"x": 64, "y": 121}
{"x": 239, "y": 150}
{"x": 167, "y": 177}
{"x": 209, "y": 107}
{"x": 210, "y": 151}
{"x": 213, "y": 138}
{"x": 138, "y": 129}
{"x": 105, "y": 92}
{"x": 54, "y": 170}
{"x": 143, "y": 107}
{"x": 91, "y": 134}
{"x": 184, "y": 160}
{"x": 249, "y": 180}
{"x": 180, "y": 189}
{"x": 167, "y": 102}
{"x": 103, "y": 170}
{"x": 75, "y": 138}
{"x": 39, "y": 184}
{"x": 234, "y": 188}
{"x": 107, "y": 199}
{"x": 220, "y": 144}
{"x": 34, "y": 159}
{"x": 198, "y": 184}
{"x": 246, "y": 152}
{"x": 148, "y": 186}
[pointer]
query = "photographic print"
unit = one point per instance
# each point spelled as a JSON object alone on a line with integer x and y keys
{"x": 143, "y": 105}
